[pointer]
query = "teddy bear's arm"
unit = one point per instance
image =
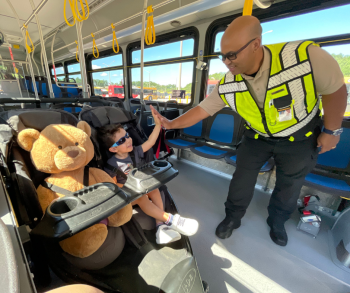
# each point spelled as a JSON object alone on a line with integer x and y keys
{"x": 99, "y": 176}
{"x": 45, "y": 196}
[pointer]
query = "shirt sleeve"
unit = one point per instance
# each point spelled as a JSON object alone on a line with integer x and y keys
{"x": 326, "y": 71}
{"x": 213, "y": 103}
{"x": 139, "y": 151}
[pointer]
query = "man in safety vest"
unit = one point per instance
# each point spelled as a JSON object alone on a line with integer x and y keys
{"x": 276, "y": 90}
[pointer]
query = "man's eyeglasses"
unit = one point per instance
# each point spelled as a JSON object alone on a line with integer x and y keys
{"x": 121, "y": 140}
{"x": 233, "y": 55}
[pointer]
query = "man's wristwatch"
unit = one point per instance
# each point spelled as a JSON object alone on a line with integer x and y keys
{"x": 336, "y": 132}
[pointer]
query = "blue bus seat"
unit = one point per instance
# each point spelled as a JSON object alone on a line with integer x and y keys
{"x": 73, "y": 90}
{"x": 44, "y": 88}
{"x": 56, "y": 90}
{"x": 332, "y": 172}
{"x": 38, "y": 87}
{"x": 268, "y": 166}
{"x": 189, "y": 137}
{"x": 223, "y": 132}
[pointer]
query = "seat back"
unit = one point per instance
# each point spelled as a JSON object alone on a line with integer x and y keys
{"x": 171, "y": 113}
{"x": 224, "y": 127}
{"x": 135, "y": 105}
{"x": 38, "y": 87}
{"x": 105, "y": 115}
{"x": 29, "y": 83}
{"x": 56, "y": 90}
{"x": 338, "y": 159}
{"x": 195, "y": 131}
{"x": 73, "y": 90}
{"x": 145, "y": 117}
{"x": 27, "y": 178}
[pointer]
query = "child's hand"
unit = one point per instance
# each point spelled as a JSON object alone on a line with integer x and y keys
{"x": 156, "y": 119}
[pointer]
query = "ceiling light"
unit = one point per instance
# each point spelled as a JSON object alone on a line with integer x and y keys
{"x": 175, "y": 23}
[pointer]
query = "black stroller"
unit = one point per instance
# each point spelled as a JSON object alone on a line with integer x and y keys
{"x": 142, "y": 265}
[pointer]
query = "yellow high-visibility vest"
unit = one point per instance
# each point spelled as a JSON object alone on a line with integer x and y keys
{"x": 290, "y": 88}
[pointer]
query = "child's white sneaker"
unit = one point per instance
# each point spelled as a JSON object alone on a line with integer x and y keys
{"x": 184, "y": 226}
{"x": 166, "y": 235}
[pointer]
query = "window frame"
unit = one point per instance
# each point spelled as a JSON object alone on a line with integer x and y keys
{"x": 277, "y": 11}
{"x": 103, "y": 54}
{"x": 167, "y": 38}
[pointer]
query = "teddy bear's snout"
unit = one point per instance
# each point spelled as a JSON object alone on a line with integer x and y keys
{"x": 70, "y": 158}
{"x": 73, "y": 154}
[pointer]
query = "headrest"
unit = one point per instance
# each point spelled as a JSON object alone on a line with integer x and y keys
{"x": 105, "y": 115}
{"x": 38, "y": 119}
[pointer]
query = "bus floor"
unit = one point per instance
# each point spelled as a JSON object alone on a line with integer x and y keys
{"x": 249, "y": 261}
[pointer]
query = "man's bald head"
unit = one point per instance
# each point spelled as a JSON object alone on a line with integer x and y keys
{"x": 243, "y": 35}
{"x": 242, "y": 30}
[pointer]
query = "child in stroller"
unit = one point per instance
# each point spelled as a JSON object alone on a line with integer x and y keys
{"x": 118, "y": 141}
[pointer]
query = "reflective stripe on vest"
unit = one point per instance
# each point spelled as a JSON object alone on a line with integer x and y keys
{"x": 290, "y": 85}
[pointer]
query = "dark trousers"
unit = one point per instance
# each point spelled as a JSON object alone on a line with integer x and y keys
{"x": 294, "y": 160}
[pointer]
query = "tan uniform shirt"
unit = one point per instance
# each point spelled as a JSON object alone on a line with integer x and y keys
{"x": 327, "y": 74}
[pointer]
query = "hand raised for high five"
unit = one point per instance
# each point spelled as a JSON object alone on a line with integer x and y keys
{"x": 165, "y": 122}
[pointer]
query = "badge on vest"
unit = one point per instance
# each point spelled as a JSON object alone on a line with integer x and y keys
{"x": 284, "y": 107}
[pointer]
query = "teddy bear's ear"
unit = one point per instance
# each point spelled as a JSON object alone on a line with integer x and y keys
{"x": 27, "y": 137}
{"x": 84, "y": 127}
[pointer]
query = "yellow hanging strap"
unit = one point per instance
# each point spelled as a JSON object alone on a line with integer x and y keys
{"x": 94, "y": 47}
{"x": 115, "y": 41}
{"x": 75, "y": 11}
{"x": 248, "y": 7}
{"x": 29, "y": 49}
{"x": 150, "y": 34}
{"x": 76, "y": 52}
{"x": 84, "y": 15}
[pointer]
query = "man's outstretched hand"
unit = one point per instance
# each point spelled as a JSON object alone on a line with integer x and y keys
{"x": 165, "y": 122}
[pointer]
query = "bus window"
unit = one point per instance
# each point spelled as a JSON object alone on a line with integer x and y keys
{"x": 74, "y": 74}
{"x": 165, "y": 79}
{"x": 166, "y": 51}
{"x": 341, "y": 53}
{"x": 105, "y": 62}
{"x": 59, "y": 70}
{"x": 217, "y": 70}
{"x": 76, "y": 77}
{"x": 173, "y": 77}
{"x": 109, "y": 81}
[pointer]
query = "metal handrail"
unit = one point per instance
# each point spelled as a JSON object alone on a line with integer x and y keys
{"x": 35, "y": 12}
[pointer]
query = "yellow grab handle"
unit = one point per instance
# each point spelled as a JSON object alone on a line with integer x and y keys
{"x": 150, "y": 34}
{"x": 75, "y": 11}
{"x": 64, "y": 12}
{"x": 76, "y": 52}
{"x": 83, "y": 16}
{"x": 114, "y": 40}
{"x": 29, "y": 49}
{"x": 248, "y": 7}
{"x": 94, "y": 47}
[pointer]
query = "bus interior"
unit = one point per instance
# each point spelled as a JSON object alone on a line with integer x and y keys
{"x": 62, "y": 62}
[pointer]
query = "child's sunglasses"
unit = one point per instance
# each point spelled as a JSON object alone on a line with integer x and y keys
{"x": 121, "y": 140}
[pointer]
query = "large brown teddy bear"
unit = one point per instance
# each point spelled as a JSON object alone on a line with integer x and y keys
{"x": 63, "y": 151}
